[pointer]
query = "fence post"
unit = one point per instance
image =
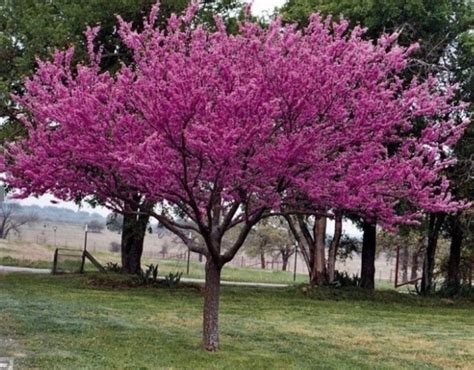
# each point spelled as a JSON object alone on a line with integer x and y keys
{"x": 187, "y": 266}
{"x": 55, "y": 262}
{"x": 85, "y": 249}
{"x": 397, "y": 266}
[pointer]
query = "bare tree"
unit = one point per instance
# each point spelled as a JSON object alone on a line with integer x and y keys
{"x": 11, "y": 219}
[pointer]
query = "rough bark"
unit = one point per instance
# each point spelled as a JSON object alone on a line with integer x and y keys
{"x": 453, "y": 280}
{"x": 284, "y": 257}
{"x": 211, "y": 306}
{"x": 305, "y": 242}
{"x": 318, "y": 276}
{"x": 133, "y": 236}
{"x": 434, "y": 226}
{"x": 369, "y": 245}
{"x": 3, "y": 229}
{"x": 332, "y": 253}
{"x": 405, "y": 260}
{"x": 262, "y": 258}
{"x": 414, "y": 265}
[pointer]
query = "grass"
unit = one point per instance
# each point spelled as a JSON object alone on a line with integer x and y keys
{"x": 196, "y": 269}
{"x": 69, "y": 265}
{"x": 95, "y": 321}
{"x": 10, "y": 261}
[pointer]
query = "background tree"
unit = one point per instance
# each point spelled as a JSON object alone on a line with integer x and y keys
{"x": 11, "y": 220}
{"x": 411, "y": 243}
{"x": 442, "y": 29}
{"x": 271, "y": 238}
{"x": 114, "y": 222}
{"x": 310, "y": 233}
{"x": 95, "y": 226}
{"x": 459, "y": 226}
{"x": 334, "y": 245}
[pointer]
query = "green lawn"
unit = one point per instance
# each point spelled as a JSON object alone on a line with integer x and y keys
{"x": 196, "y": 270}
{"x": 166, "y": 266}
{"x": 97, "y": 322}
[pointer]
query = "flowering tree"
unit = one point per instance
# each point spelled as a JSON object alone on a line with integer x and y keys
{"x": 225, "y": 130}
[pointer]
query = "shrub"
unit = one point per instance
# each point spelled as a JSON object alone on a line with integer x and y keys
{"x": 343, "y": 279}
{"x": 148, "y": 276}
{"x": 95, "y": 226}
{"x": 172, "y": 280}
{"x": 113, "y": 267}
{"x": 114, "y": 247}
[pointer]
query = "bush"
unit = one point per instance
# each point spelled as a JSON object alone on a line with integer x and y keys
{"x": 114, "y": 222}
{"x": 172, "y": 280}
{"x": 113, "y": 267}
{"x": 95, "y": 226}
{"x": 343, "y": 279}
{"x": 149, "y": 276}
{"x": 114, "y": 247}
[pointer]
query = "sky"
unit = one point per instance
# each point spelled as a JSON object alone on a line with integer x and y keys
{"x": 259, "y": 7}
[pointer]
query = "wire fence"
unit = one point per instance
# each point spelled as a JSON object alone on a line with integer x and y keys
{"x": 166, "y": 247}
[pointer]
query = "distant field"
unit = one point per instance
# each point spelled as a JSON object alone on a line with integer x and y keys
{"x": 196, "y": 270}
{"x": 82, "y": 322}
{"x": 32, "y": 254}
{"x": 36, "y": 242}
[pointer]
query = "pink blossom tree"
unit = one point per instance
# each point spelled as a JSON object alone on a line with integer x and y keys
{"x": 228, "y": 129}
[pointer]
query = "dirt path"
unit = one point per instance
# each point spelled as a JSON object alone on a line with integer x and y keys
{"x": 9, "y": 269}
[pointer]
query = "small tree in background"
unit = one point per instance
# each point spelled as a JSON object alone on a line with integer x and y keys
{"x": 11, "y": 219}
{"x": 95, "y": 226}
{"x": 271, "y": 238}
{"x": 114, "y": 247}
{"x": 114, "y": 222}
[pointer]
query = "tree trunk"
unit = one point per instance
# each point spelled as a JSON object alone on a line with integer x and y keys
{"x": 367, "y": 275}
{"x": 414, "y": 265}
{"x": 454, "y": 277}
{"x": 405, "y": 258}
{"x": 284, "y": 258}
{"x": 211, "y": 306}
{"x": 2, "y": 228}
{"x": 262, "y": 258}
{"x": 133, "y": 236}
{"x": 318, "y": 276}
{"x": 332, "y": 253}
{"x": 435, "y": 223}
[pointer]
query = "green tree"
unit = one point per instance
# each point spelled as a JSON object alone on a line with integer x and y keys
{"x": 443, "y": 29}
{"x": 460, "y": 226}
{"x": 114, "y": 222}
{"x": 270, "y": 238}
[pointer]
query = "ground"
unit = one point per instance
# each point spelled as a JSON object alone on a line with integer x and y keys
{"x": 94, "y": 321}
